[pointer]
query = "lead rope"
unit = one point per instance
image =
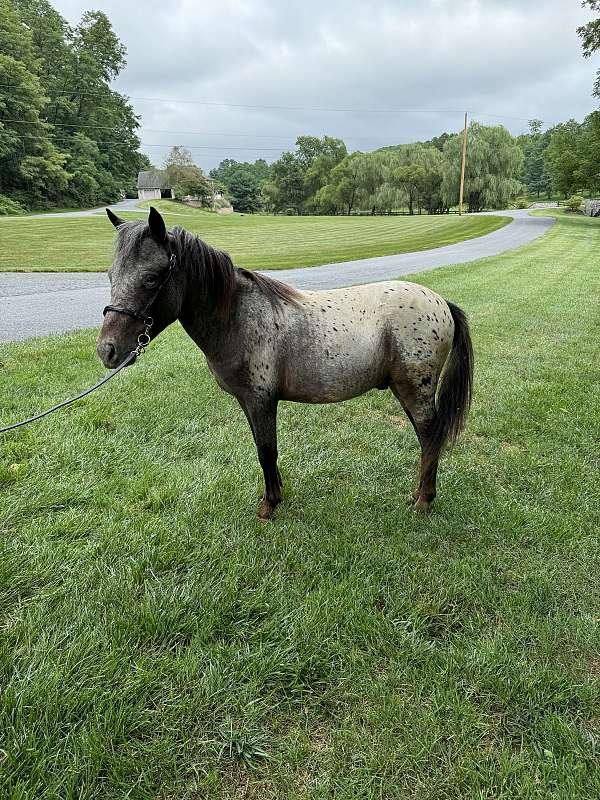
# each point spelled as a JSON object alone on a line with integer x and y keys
{"x": 143, "y": 340}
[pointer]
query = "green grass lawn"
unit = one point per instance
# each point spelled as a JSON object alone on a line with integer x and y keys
{"x": 254, "y": 241}
{"x": 157, "y": 642}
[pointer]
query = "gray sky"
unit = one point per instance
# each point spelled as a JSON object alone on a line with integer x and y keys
{"x": 517, "y": 59}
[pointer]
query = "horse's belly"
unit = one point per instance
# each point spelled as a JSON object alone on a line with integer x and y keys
{"x": 338, "y": 370}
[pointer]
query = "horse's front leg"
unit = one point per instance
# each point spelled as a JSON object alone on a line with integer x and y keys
{"x": 262, "y": 416}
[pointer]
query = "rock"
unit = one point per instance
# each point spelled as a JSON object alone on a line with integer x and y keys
{"x": 592, "y": 208}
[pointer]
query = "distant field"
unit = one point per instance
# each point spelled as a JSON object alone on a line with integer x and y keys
{"x": 255, "y": 242}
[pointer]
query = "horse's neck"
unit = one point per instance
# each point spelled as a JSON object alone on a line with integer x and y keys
{"x": 200, "y": 320}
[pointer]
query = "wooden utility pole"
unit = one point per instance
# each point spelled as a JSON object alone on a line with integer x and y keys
{"x": 462, "y": 168}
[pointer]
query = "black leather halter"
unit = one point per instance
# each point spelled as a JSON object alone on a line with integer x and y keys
{"x": 143, "y": 315}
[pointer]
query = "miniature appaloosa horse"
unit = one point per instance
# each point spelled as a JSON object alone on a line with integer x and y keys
{"x": 265, "y": 341}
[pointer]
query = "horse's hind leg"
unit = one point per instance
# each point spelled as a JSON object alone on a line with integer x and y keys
{"x": 419, "y": 405}
{"x": 430, "y": 457}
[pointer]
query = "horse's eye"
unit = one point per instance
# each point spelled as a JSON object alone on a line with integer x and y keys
{"x": 150, "y": 281}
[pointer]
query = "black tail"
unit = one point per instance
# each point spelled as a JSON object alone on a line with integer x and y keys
{"x": 456, "y": 385}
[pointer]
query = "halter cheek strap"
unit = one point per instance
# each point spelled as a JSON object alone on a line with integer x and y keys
{"x": 142, "y": 315}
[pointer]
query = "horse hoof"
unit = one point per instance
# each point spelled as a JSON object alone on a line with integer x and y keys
{"x": 265, "y": 511}
{"x": 421, "y": 506}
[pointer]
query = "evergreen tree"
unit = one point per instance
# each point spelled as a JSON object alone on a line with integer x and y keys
{"x": 535, "y": 175}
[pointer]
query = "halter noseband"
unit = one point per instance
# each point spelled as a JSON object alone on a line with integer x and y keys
{"x": 144, "y": 338}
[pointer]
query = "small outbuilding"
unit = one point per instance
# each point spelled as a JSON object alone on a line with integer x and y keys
{"x": 152, "y": 184}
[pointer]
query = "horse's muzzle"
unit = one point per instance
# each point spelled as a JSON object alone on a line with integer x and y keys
{"x": 110, "y": 356}
{"x": 107, "y": 353}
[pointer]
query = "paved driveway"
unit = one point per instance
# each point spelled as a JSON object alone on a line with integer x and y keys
{"x": 123, "y": 205}
{"x": 41, "y": 303}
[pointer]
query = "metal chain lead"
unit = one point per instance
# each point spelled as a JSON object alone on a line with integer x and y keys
{"x": 143, "y": 339}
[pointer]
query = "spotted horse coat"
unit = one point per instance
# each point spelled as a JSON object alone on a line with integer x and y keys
{"x": 265, "y": 341}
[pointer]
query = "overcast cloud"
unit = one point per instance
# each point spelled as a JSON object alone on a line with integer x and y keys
{"x": 517, "y": 59}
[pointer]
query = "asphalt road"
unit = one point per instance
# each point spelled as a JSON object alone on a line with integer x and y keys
{"x": 123, "y": 205}
{"x": 42, "y": 303}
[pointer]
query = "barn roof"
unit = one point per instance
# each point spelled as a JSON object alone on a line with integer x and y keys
{"x": 153, "y": 179}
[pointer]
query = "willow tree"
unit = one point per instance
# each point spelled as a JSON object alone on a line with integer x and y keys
{"x": 342, "y": 189}
{"x": 371, "y": 174}
{"x": 494, "y": 164}
{"x": 418, "y": 175}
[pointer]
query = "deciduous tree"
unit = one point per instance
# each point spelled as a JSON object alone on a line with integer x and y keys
{"x": 31, "y": 165}
{"x": 186, "y": 177}
{"x": 75, "y": 67}
{"x": 243, "y": 182}
{"x": 590, "y": 37}
{"x": 342, "y": 189}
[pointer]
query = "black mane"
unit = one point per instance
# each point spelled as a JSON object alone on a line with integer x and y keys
{"x": 215, "y": 268}
{"x": 218, "y": 272}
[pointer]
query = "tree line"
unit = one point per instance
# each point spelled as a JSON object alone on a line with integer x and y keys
{"x": 320, "y": 176}
{"x": 66, "y": 137}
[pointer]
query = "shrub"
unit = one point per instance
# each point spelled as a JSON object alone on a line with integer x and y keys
{"x": 10, "y": 207}
{"x": 290, "y": 212}
{"x": 522, "y": 202}
{"x": 574, "y": 203}
{"x": 222, "y": 203}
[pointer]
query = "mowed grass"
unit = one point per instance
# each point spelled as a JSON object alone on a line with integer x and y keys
{"x": 253, "y": 241}
{"x": 157, "y": 642}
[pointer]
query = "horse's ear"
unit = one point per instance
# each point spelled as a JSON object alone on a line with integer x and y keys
{"x": 116, "y": 221}
{"x": 157, "y": 225}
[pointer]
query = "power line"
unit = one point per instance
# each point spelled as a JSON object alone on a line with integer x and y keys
{"x": 288, "y": 138}
{"x": 213, "y": 147}
{"x": 164, "y": 144}
{"x": 149, "y": 130}
{"x": 319, "y": 109}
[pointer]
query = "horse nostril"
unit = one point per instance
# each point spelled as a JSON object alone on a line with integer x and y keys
{"x": 108, "y": 353}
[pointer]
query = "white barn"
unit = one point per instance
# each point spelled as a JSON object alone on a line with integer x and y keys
{"x": 152, "y": 184}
